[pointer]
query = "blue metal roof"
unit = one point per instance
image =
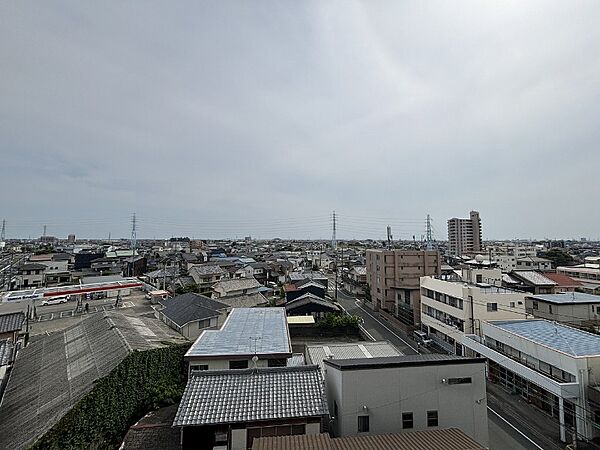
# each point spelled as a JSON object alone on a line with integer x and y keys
{"x": 570, "y": 297}
{"x": 247, "y": 331}
{"x": 558, "y": 337}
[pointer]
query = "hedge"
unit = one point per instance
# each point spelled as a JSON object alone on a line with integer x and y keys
{"x": 143, "y": 381}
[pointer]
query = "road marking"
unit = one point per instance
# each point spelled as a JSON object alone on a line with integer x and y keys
{"x": 384, "y": 326}
{"x": 515, "y": 428}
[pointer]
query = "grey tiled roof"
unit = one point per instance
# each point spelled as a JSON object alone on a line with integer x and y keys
{"x": 6, "y": 347}
{"x": 237, "y": 396}
{"x": 206, "y": 269}
{"x": 247, "y": 331}
{"x": 244, "y": 300}
{"x": 309, "y": 298}
{"x": 238, "y": 285}
{"x": 188, "y": 307}
{"x": 11, "y": 322}
{"x": 55, "y": 371}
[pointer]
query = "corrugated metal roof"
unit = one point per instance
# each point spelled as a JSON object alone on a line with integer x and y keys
{"x": 234, "y": 396}
{"x": 246, "y": 331}
{"x": 319, "y": 353}
{"x": 446, "y": 439}
{"x": 566, "y": 298}
{"x": 559, "y": 337}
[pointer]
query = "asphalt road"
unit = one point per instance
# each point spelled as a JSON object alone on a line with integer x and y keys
{"x": 503, "y": 434}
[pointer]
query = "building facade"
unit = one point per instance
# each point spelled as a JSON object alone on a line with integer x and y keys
{"x": 451, "y": 308}
{"x": 464, "y": 235}
{"x": 551, "y": 366}
{"x": 393, "y": 278}
{"x": 421, "y": 392}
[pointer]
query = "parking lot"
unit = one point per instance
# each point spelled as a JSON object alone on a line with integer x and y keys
{"x": 108, "y": 306}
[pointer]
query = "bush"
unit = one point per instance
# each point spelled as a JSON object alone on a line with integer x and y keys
{"x": 142, "y": 382}
{"x": 332, "y": 320}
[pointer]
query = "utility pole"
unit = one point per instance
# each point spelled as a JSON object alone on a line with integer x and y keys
{"x": 133, "y": 245}
{"x": 333, "y": 236}
{"x": 3, "y": 233}
{"x": 429, "y": 233}
{"x": 44, "y": 231}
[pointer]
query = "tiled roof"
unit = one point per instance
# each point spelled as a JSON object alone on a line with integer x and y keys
{"x": 154, "y": 431}
{"x": 205, "y": 270}
{"x": 6, "y": 348}
{"x": 534, "y": 278}
{"x": 246, "y": 331}
{"x": 234, "y": 396}
{"x": 244, "y": 300}
{"x": 237, "y": 285}
{"x": 11, "y": 322}
{"x": 562, "y": 280}
{"x": 309, "y": 298}
{"x": 445, "y": 439}
{"x": 189, "y": 307}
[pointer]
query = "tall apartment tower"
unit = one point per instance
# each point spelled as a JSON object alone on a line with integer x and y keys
{"x": 394, "y": 276}
{"x": 464, "y": 235}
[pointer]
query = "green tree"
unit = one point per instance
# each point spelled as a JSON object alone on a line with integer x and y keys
{"x": 559, "y": 257}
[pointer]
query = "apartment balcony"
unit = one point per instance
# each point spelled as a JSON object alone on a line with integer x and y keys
{"x": 564, "y": 390}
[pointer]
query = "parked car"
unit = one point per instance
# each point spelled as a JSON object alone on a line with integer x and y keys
{"x": 55, "y": 300}
{"x": 422, "y": 338}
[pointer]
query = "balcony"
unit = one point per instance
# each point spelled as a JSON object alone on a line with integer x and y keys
{"x": 565, "y": 390}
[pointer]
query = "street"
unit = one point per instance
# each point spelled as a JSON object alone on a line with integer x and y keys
{"x": 504, "y": 432}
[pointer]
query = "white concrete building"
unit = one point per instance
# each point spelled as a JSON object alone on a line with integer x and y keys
{"x": 407, "y": 393}
{"x": 453, "y": 307}
{"x": 552, "y": 366}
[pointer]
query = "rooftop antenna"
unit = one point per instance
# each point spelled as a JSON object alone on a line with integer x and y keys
{"x": 133, "y": 244}
{"x": 390, "y": 238}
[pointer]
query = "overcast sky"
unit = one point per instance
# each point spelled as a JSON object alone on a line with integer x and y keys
{"x": 218, "y": 119}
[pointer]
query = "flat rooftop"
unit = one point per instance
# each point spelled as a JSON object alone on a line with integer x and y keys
{"x": 572, "y": 341}
{"x": 567, "y": 298}
{"x": 246, "y": 332}
{"x": 400, "y": 361}
{"x": 319, "y": 353}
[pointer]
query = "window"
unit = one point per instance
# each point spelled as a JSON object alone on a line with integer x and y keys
{"x": 479, "y": 278}
{"x": 282, "y": 362}
{"x": 199, "y": 367}
{"x": 407, "y": 420}
{"x": 464, "y": 380}
{"x": 335, "y": 410}
{"x": 491, "y": 307}
{"x": 203, "y": 324}
{"x": 512, "y": 304}
{"x": 363, "y": 424}
{"x": 238, "y": 364}
{"x": 550, "y": 309}
{"x": 535, "y": 304}
{"x": 432, "y": 418}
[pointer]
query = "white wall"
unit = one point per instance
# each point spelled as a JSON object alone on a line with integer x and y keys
{"x": 238, "y": 439}
{"x": 388, "y": 392}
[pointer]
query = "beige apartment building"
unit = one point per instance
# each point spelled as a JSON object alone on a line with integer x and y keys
{"x": 393, "y": 277}
{"x": 464, "y": 235}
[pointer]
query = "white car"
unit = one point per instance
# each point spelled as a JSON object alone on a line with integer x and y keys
{"x": 55, "y": 300}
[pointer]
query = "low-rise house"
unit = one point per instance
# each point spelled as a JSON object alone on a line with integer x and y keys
{"x": 447, "y": 439}
{"x": 11, "y": 325}
{"x": 294, "y": 290}
{"x": 534, "y": 282}
{"x": 296, "y": 277}
{"x": 245, "y": 300}
{"x": 551, "y": 366}
{"x": 191, "y": 314}
{"x": 28, "y": 275}
{"x": 247, "y": 332}
{"x": 409, "y": 393}
{"x": 242, "y": 286}
{"x": 573, "y": 308}
{"x": 163, "y": 277}
{"x": 231, "y": 408}
{"x": 564, "y": 283}
{"x": 205, "y": 276}
{"x": 310, "y": 304}
{"x": 533, "y": 263}
{"x": 355, "y": 281}
{"x": 587, "y": 274}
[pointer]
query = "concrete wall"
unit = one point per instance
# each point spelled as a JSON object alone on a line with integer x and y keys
{"x": 574, "y": 313}
{"x": 409, "y": 389}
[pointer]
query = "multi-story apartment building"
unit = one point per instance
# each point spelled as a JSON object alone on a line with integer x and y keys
{"x": 453, "y": 307}
{"x": 464, "y": 235}
{"x": 393, "y": 278}
{"x": 551, "y": 366}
